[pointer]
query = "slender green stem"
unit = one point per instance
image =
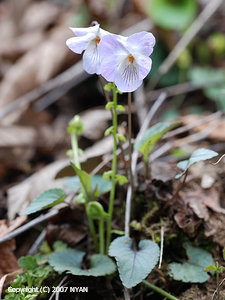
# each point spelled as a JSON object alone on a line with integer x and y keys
{"x": 114, "y": 165}
{"x": 217, "y": 285}
{"x": 129, "y": 140}
{"x": 159, "y": 290}
{"x": 101, "y": 236}
{"x": 92, "y": 230}
{"x": 75, "y": 148}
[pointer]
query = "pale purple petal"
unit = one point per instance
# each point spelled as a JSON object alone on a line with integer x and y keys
{"x": 84, "y": 31}
{"x": 125, "y": 87}
{"x": 112, "y": 54}
{"x": 145, "y": 64}
{"x": 141, "y": 43}
{"x": 127, "y": 76}
{"x": 91, "y": 59}
{"x": 111, "y": 45}
{"x": 79, "y": 44}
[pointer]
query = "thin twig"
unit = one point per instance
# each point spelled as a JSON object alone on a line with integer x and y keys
{"x": 161, "y": 246}
{"x": 185, "y": 128}
{"x": 145, "y": 125}
{"x": 140, "y": 104}
{"x": 29, "y": 225}
{"x": 37, "y": 243}
{"x": 180, "y": 88}
{"x": 199, "y": 22}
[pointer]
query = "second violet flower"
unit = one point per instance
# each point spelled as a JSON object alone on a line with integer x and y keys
{"x": 125, "y": 61}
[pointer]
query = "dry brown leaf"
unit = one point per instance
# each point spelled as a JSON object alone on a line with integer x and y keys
{"x": 218, "y": 134}
{"x": 215, "y": 227}
{"x": 17, "y": 136}
{"x": 22, "y": 194}
{"x": 195, "y": 200}
{"x": 35, "y": 68}
{"x": 14, "y": 48}
{"x": 40, "y": 15}
{"x": 95, "y": 122}
{"x": 7, "y": 278}
{"x": 200, "y": 200}
{"x": 187, "y": 223}
{"x": 66, "y": 233}
{"x": 6, "y": 227}
{"x": 8, "y": 261}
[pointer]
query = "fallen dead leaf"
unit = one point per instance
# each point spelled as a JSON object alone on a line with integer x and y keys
{"x": 200, "y": 200}
{"x": 95, "y": 122}
{"x": 214, "y": 228}
{"x": 8, "y": 261}
{"x": 218, "y": 134}
{"x": 33, "y": 69}
{"x": 34, "y": 20}
{"x": 23, "y": 193}
{"x": 6, "y": 227}
{"x": 17, "y": 136}
{"x": 188, "y": 223}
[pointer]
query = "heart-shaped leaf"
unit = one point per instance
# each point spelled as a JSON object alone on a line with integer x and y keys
{"x": 196, "y": 156}
{"x": 193, "y": 270}
{"x": 99, "y": 184}
{"x": 151, "y": 137}
{"x": 70, "y": 260}
{"x": 134, "y": 265}
{"x": 172, "y": 14}
{"x": 45, "y": 200}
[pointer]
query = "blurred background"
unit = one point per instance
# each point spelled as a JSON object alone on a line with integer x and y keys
{"x": 42, "y": 83}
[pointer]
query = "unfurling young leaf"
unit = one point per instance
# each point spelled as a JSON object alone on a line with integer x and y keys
{"x": 108, "y": 131}
{"x": 121, "y": 137}
{"x": 134, "y": 265}
{"x": 196, "y": 156}
{"x": 151, "y": 137}
{"x": 95, "y": 210}
{"x": 70, "y": 260}
{"x": 109, "y": 105}
{"x": 193, "y": 269}
{"x": 45, "y": 200}
{"x": 121, "y": 179}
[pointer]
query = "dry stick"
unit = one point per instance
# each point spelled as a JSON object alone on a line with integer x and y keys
{"x": 161, "y": 246}
{"x": 181, "y": 88}
{"x": 72, "y": 76}
{"x": 37, "y": 243}
{"x": 140, "y": 104}
{"x": 29, "y": 225}
{"x": 199, "y": 22}
{"x": 145, "y": 125}
{"x": 182, "y": 129}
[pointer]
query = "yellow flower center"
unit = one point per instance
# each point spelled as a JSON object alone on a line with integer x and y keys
{"x": 130, "y": 58}
{"x": 97, "y": 40}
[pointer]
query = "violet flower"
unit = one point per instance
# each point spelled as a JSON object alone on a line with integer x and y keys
{"x": 125, "y": 61}
{"x": 87, "y": 40}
